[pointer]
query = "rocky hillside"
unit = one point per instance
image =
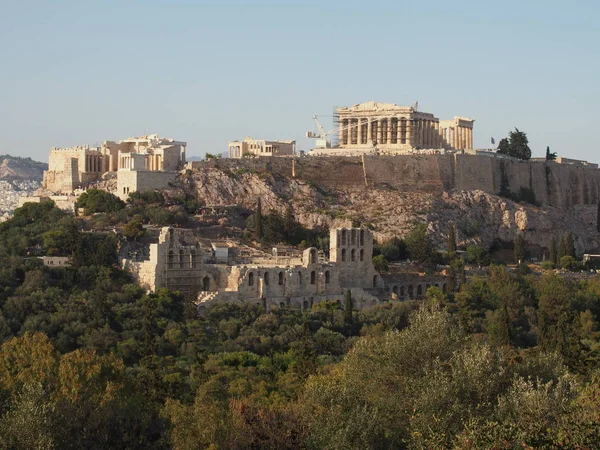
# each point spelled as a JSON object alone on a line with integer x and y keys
{"x": 18, "y": 177}
{"x": 17, "y": 168}
{"x": 480, "y": 217}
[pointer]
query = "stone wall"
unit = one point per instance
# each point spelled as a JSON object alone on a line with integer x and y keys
{"x": 559, "y": 185}
{"x": 141, "y": 181}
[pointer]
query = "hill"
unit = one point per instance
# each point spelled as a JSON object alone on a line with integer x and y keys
{"x": 18, "y": 168}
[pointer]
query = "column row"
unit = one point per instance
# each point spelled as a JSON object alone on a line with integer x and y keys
{"x": 154, "y": 162}
{"x": 93, "y": 163}
{"x": 459, "y": 138}
{"x": 421, "y": 133}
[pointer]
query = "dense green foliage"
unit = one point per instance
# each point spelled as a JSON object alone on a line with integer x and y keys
{"x": 90, "y": 360}
{"x": 516, "y": 145}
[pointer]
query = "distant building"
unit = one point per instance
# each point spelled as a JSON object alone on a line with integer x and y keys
{"x": 400, "y": 129}
{"x": 138, "y": 163}
{"x": 56, "y": 261}
{"x": 260, "y": 147}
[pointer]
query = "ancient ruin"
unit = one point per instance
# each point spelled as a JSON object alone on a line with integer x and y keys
{"x": 392, "y": 129}
{"x": 139, "y": 163}
{"x": 218, "y": 272}
{"x": 260, "y": 147}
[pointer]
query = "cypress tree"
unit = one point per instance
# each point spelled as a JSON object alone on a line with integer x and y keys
{"x": 258, "y": 225}
{"x": 570, "y": 245}
{"x": 451, "y": 279}
{"x": 452, "y": 239}
{"x": 348, "y": 308}
{"x": 519, "y": 249}
{"x": 562, "y": 248}
{"x": 553, "y": 255}
{"x": 598, "y": 218}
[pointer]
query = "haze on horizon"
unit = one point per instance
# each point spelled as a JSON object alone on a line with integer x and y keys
{"x": 78, "y": 73}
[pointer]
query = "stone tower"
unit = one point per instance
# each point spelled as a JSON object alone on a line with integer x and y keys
{"x": 352, "y": 251}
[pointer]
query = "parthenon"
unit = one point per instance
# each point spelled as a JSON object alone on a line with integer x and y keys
{"x": 392, "y": 127}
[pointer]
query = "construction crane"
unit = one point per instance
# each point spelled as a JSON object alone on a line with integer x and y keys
{"x": 321, "y": 136}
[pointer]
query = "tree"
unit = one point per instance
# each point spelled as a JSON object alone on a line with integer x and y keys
{"x": 348, "y": 308}
{"x": 562, "y": 248}
{"x": 290, "y": 226}
{"x": 478, "y": 255}
{"x": 504, "y": 146}
{"x": 550, "y": 156}
{"x": 570, "y": 245}
{"x": 258, "y": 231}
{"x": 133, "y": 230}
{"x": 598, "y": 218}
{"x": 517, "y": 145}
{"x": 419, "y": 244}
{"x": 380, "y": 263}
{"x": 553, "y": 251}
{"x": 452, "y": 239}
{"x": 519, "y": 249}
{"x": 97, "y": 201}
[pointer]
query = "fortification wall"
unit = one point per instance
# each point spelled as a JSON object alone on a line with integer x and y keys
{"x": 559, "y": 185}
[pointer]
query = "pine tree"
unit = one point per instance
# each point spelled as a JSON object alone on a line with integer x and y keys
{"x": 258, "y": 225}
{"x": 570, "y": 245}
{"x": 553, "y": 255}
{"x": 348, "y": 308}
{"x": 452, "y": 239}
{"x": 598, "y": 218}
{"x": 519, "y": 249}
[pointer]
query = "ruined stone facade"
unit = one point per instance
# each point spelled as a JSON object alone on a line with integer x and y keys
{"x": 400, "y": 128}
{"x": 300, "y": 281}
{"x": 136, "y": 161}
{"x": 259, "y": 147}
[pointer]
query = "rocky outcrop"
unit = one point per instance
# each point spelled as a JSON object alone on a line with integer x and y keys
{"x": 16, "y": 168}
{"x": 480, "y": 217}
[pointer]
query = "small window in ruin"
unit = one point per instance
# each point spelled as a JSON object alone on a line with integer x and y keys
{"x": 281, "y": 304}
{"x": 313, "y": 277}
{"x": 343, "y": 254}
{"x": 362, "y": 254}
{"x": 266, "y": 278}
{"x": 206, "y": 283}
{"x": 304, "y": 304}
{"x": 280, "y": 278}
{"x": 410, "y": 291}
{"x": 362, "y": 237}
{"x": 343, "y": 237}
{"x": 395, "y": 290}
{"x": 401, "y": 291}
{"x": 444, "y": 288}
{"x": 313, "y": 256}
{"x": 327, "y": 277}
{"x": 353, "y": 237}
{"x": 353, "y": 255}
{"x": 250, "y": 279}
{"x": 374, "y": 280}
{"x": 299, "y": 277}
{"x": 170, "y": 259}
{"x": 419, "y": 290}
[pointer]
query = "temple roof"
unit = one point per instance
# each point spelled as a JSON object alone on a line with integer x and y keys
{"x": 377, "y": 106}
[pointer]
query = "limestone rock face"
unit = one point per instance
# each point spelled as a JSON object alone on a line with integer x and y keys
{"x": 480, "y": 217}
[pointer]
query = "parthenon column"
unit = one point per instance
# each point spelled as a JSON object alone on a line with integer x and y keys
{"x": 359, "y": 131}
{"x": 341, "y": 132}
{"x": 379, "y": 130}
{"x": 369, "y": 132}
{"x": 409, "y": 131}
{"x": 389, "y": 130}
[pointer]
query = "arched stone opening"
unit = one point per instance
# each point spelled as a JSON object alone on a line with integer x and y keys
{"x": 375, "y": 278}
{"x": 395, "y": 290}
{"x": 304, "y": 304}
{"x": 343, "y": 255}
{"x": 206, "y": 283}
{"x": 362, "y": 254}
{"x": 419, "y": 290}
{"x": 327, "y": 277}
{"x": 299, "y": 277}
{"x": 251, "y": 279}
{"x": 353, "y": 255}
{"x": 280, "y": 276}
{"x": 313, "y": 277}
{"x": 266, "y": 278}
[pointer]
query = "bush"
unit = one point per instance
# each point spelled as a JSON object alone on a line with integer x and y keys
{"x": 547, "y": 265}
{"x": 98, "y": 201}
{"x": 381, "y": 263}
{"x": 569, "y": 263}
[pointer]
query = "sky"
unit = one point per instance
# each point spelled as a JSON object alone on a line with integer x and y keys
{"x": 81, "y": 72}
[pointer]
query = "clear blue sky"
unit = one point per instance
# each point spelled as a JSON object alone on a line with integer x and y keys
{"x": 80, "y": 72}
